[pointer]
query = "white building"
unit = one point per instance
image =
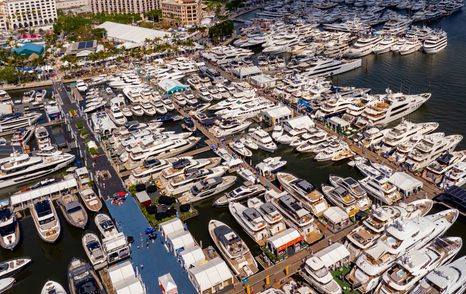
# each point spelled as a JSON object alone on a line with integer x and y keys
{"x": 70, "y": 4}
{"x": 123, "y": 33}
{"x": 277, "y": 115}
{"x": 124, "y": 6}
{"x": 211, "y": 277}
{"x": 21, "y": 14}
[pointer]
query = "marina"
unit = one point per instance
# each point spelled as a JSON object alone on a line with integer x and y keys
{"x": 254, "y": 164}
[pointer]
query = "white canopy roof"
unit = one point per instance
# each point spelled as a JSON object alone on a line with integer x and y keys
{"x": 43, "y": 191}
{"x": 124, "y": 280}
{"x": 300, "y": 122}
{"x": 278, "y": 111}
{"x": 212, "y": 273}
{"x": 405, "y": 182}
{"x": 183, "y": 239}
{"x": 192, "y": 256}
{"x": 171, "y": 227}
{"x": 335, "y": 214}
{"x": 131, "y": 286}
{"x": 167, "y": 283}
{"x": 328, "y": 256}
{"x": 284, "y": 237}
{"x": 129, "y": 33}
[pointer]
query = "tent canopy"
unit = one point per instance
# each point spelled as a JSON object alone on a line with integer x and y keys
{"x": 211, "y": 274}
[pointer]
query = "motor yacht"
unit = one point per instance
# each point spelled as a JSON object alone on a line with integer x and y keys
{"x": 449, "y": 278}
{"x": 270, "y": 213}
{"x": 233, "y": 249}
{"x": 81, "y": 86}
{"x": 93, "y": 248}
{"x": 90, "y": 199}
{"x": 400, "y": 238}
{"x": 393, "y": 106}
{"x": 229, "y": 127}
{"x": 18, "y": 120}
{"x": 363, "y": 46}
{"x": 20, "y": 168}
{"x": 137, "y": 110}
{"x": 410, "y": 46}
{"x": 182, "y": 183}
{"x": 247, "y": 190}
{"x": 251, "y": 221}
{"x": 52, "y": 287}
{"x": 340, "y": 197}
{"x": 12, "y": 266}
{"x": 28, "y": 97}
{"x": 73, "y": 211}
{"x": 436, "y": 170}
{"x": 326, "y": 67}
{"x": 126, "y": 110}
{"x": 456, "y": 176}
{"x": 277, "y": 132}
{"x": 304, "y": 191}
{"x": 206, "y": 188}
{"x": 81, "y": 278}
{"x": 22, "y": 136}
{"x": 249, "y": 143}
{"x": 9, "y": 226}
{"x": 262, "y": 139}
{"x": 412, "y": 267}
{"x": 429, "y": 148}
{"x": 435, "y": 43}
{"x": 117, "y": 116}
{"x": 372, "y": 137}
{"x": 239, "y": 148}
{"x": 381, "y": 189}
{"x": 46, "y": 220}
{"x": 354, "y": 188}
{"x": 105, "y": 225}
{"x": 42, "y": 137}
{"x": 385, "y": 45}
{"x": 315, "y": 272}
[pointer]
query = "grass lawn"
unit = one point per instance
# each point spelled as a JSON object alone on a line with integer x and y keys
{"x": 346, "y": 287}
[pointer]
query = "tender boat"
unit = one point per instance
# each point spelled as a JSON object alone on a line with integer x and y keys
{"x": 83, "y": 279}
{"x": 11, "y": 267}
{"x": 233, "y": 249}
{"x": 91, "y": 200}
{"x": 6, "y": 284}
{"x": 93, "y": 248}
{"x": 105, "y": 225}
{"x": 52, "y": 287}
{"x": 46, "y": 220}
{"x": 73, "y": 211}
{"x": 9, "y": 227}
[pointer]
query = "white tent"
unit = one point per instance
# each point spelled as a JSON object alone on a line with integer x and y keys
{"x": 128, "y": 33}
{"x": 167, "y": 284}
{"x": 284, "y": 240}
{"x": 192, "y": 256}
{"x": 123, "y": 279}
{"x": 43, "y": 191}
{"x": 181, "y": 241}
{"x": 335, "y": 215}
{"x": 210, "y": 274}
{"x": 171, "y": 227}
{"x": 405, "y": 183}
{"x": 329, "y": 256}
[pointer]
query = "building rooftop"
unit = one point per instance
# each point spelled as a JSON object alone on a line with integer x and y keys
{"x": 128, "y": 33}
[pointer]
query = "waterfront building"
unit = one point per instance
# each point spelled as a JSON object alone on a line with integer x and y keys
{"x": 2, "y": 17}
{"x": 21, "y": 14}
{"x": 124, "y": 6}
{"x": 182, "y": 12}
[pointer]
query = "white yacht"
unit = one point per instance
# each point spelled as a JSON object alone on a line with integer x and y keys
{"x": 105, "y": 225}
{"x": 316, "y": 273}
{"x": 81, "y": 86}
{"x": 436, "y": 170}
{"x": 46, "y": 220}
{"x": 233, "y": 249}
{"x": 404, "y": 131}
{"x": 381, "y": 189}
{"x": 429, "y": 148}
{"x": 5, "y": 97}
{"x": 304, "y": 191}
{"x": 117, "y": 116}
{"x": 413, "y": 266}
{"x": 400, "y": 237}
{"x": 182, "y": 183}
{"x": 340, "y": 197}
{"x": 446, "y": 279}
{"x": 393, "y": 106}
{"x": 435, "y": 43}
{"x": 164, "y": 148}
{"x": 326, "y": 67}
{"x": 456, "y": 176}
{"x": 206, "y": 188}
{"x": 251, "y": 221}
{"x": 229, "y": 127}
{"x": 18, "y": 120}
{"x": 270, "y": 214}
{"x": 21, "y": 168}
{"x": 22, "y": 136}
{"x": 42, "y": 137}
{"x": 94, "y": 251}
{"x": 9, "y": 226}
{"x": 262, "y": 139}
{"x": 247, "y": 190}
{"x": 363, "y": 46}
{"x": 238, "y": 147}
{"x": 385, "y": 45}
{"x": 354, "y": 188}
{"x": 410, "y": 46}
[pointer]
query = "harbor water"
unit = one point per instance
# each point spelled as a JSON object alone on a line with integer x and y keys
{"x": 442, "y": 74}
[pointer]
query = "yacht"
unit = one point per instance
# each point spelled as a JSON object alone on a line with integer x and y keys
{"x": 21, "y": 168}
{"x": 81, "y": 86}
{"x": 6, "y": 284}
{"x": 93, "y": 248}
{"x": 404, "y": 149}
{"x": 404, "y": 131}
{"x": 251, "y": 221}
{"x": 449, "y": 278}
{"x": 456, "y": 176}
{"x": 429, "y": 148}
{"x": 168, "y": 148}
{"x": 137, "y": 110}
{"x": 5, "y": 97}
{"x": 229, "y": 127}
{"x": 183, "y": 183}
{"x": 385, "y": 45}
{"x": 436, "y": 170}
{"x": 340, "y": 197}
{"x": 410, "y": 46}
{"x": 46, "y": 220}
{"x": 238, "y": 147}
{"x": 233, "y": 249}
{"x": 9, "y": 226}
{"x": 105, "y": 225}
{"x": 354, "y": 188}
{"x": 82, "y": 278}
{"x": 373, "y": 136}
{"x": 52, "y": 287}
{"x": 363, "y": 46}
{"x": 91, "y": 199}
{"x": 262, "y": 139}
{"x": 326, "y": 67}
{"x": 249, "y": 143}
{"x": 315, "y": 272}
{"x": 17, "y": 120}
{"x": 413, "y": 266}
{"x": 12, "y": 266}
{"x": 206, "y": 188}
{"x": 435, "y": 43}
{"x": 42, "y": 137}
{"x": 277, "y": 132}
{"x": 304, "y": 191}
{"x": 73, "y": 211}
{"x": 245, "y": 191}
{"x": 117, "y": 116}
{"x": 273, "y": 217}
{"x": 22, "y": 136}
{"x": 393, "y": 106}
{"x": 149, "y": 109}
{"x": 401, "y": 237}
{"x": 381, "y": 189}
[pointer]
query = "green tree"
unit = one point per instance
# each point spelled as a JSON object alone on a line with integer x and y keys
{"x": 154, "y": 15}
{"x": 221, "y": 30}
{"x": 8, "y": 74}
{"x": 99, "y": 33}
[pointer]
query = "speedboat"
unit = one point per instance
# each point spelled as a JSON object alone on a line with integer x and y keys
{"x": 233, "y": 249}
{"x": 52, "y": 287}
{"x": 90, "y": 199}
{"x": 13, "y": 266}
{"x": 6, "y": 284}
{"x": 277, "y": 131}
{"x": 94, "y": 251}
{"x": 243, "y": 192}
{"x": 9, "y": 227}
{"x": 42, "y": 136}
{"x": 73, "y": 211}
{"x": 46, "y": 220}
{"x": 239, "y": 148}
{"x": 105, "y": 225}
{"x": 206, "y": 188}
{"x": 249, "y": 143}
{"x": 271, "y": 165}
{"x": 83, "y": 279}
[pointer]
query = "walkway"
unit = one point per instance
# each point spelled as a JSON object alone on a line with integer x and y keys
{"x": 150, "y": 258}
